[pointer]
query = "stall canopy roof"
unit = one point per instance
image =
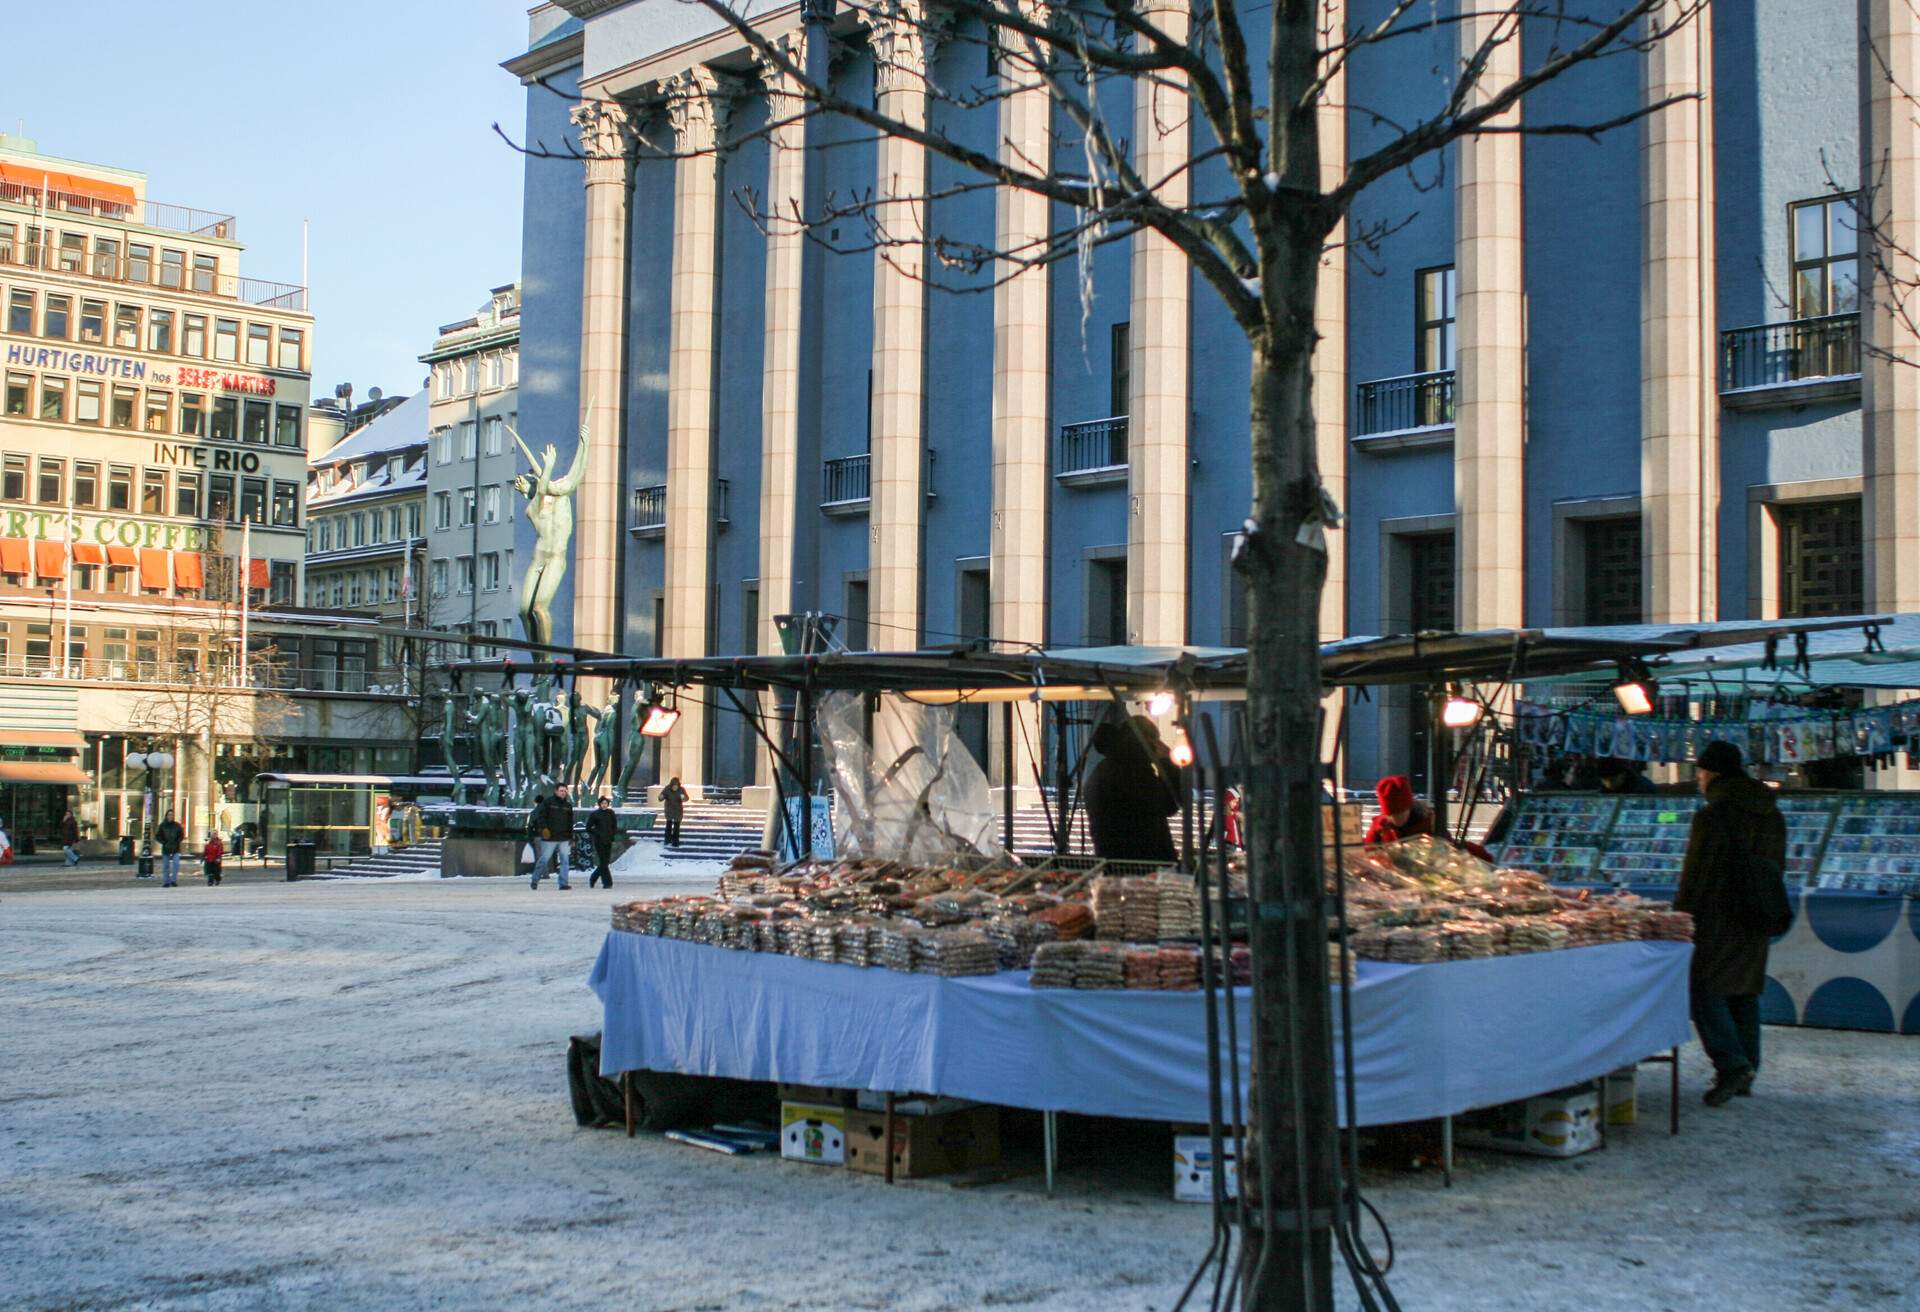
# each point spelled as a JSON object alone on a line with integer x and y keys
{"x": 1492, "y": 654}
{"x": 42, "y": 772}
{"x": 363, "y": 780}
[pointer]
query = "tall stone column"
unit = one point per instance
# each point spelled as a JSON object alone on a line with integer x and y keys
{"x": 1490, "y": 423}
{"x": 1679, "y": 395}
{"x": 697, "y": 113}
{"x": 780, "y": 377}
{"x": 606, "y": 138}
{"x": 1022, "y": 428}
{"x": 1890, "y": 235}
{"x": 896, "y": 514}
{"x": 1158, "y": 407}
{"x": 1331, "y": 389}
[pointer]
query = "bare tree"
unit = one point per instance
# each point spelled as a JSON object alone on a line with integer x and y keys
{"x": 1257, "y": 237}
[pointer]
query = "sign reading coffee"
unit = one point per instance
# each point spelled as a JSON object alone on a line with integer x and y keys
{"x": 107, "y": 530}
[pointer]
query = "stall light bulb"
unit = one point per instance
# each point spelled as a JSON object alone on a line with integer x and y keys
{"x": 1160, "y": 704}
{"x": 1182, "y": 749}
{"x": 1460, "y": 713}
{"x": 1634, "y": 698}
{"x": 659, "y": 722}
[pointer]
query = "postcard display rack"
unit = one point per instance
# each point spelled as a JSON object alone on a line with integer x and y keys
{"x": 1852, "y": 958}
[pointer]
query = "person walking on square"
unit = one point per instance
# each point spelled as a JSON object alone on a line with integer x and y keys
{"x": 603, "y": 827}
{"x": 1732, "y": 882}
{"x": 70, "y": 838}
{"x": 553, "y": 837}
{"x": 673, "y": 804}
{"x": 211, "y": 856}
{"x": 1131, "y": 791}
{"x": 170, "y": 833}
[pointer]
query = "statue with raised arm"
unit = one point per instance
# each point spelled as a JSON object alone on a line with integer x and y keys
{"x": 550, "y": 511}
{"x": 605, "y": 731}
{"x": 449, "y": 727}
{"x": 636, "y": 743}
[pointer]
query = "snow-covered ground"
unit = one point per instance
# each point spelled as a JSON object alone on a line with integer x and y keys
{"x": 352, "y": 1095}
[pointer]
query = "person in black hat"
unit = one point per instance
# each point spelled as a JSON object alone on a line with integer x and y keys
{"x": 603, "y": 827}
{"x": 1738, "y": 842}
{"x": 1131, "y": 792}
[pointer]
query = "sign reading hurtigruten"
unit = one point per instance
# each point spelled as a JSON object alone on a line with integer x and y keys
{"x": 90, "y": 363}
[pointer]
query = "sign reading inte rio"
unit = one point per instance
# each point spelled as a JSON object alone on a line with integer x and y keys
{"x": 107, "y": 530}
{"x": 120, "y": 366}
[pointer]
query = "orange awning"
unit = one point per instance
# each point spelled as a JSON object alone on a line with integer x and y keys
{"x": 122, "y": 557}
{"x": 50, "y": 560}
{"x": 33, "y": 179}
{"x": 42, "y": 738}
{"x": 15, "y": 556}
{"x": 187, "y": 571}
{"x": 89, "y": 553}
{"x": 41, "y": 772}
{"x": 257, "y": 575}
{"x": 153, "y": 569}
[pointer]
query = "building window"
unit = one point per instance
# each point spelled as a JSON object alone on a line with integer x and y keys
{"x": 286, "y": 425}
{"x": 20, "y": 395}
{"x": 465, "y": 574}
{"x": 86, "y": 484}
{"x": 20, "y": 313}
{"x": 204, "y": 268}
{"x": 353, "y": 588}
{"x": 53, "y": 399}
{"x": 226, "y": 419}
{"x": 226, "y": 339}
{"x": 1826, "y": 261}
{"x": 86, "y": 403}
{"x": 126, "y": 327}
{"x": 492, "y": 441}
{"x": 93, "y": 321}
{"x": 1119, "y": 368}
{"x": 359, "y": 522}
{"x": 490, "y": 504}
{"x": 260, "y": 344}
{"x": 280, "y": 577}
{"x": 52, "y": 489}
{"x": 413, "y": 520}
{"x": 1822, "y": 563}
{"x": 73, "y": 252}
{"x": 1611, "y": 571}
{"x": 472, "y": 375}
{"x": 160, "y": 332}
{"x": 443, "y": 510}
{"x": 1106, "y": 601}
{"x": 496, "y": 370}
{"x": 467, "y": 448}
{"x": 125, "y": 401}
{"x": 153, "y": 491}
{"x": 490, "y": 571}
{"x": 292, "y": 345}
{"x": 193, "y": 336}
{"x": 106, "y": 257}
{"x": 442, "y": 381}
{"x": 253, "y": 500}
{"x": 1433, "y": 312}
{"x": 139, "y": 262}
{"x": 186, "y": 495}
{"x": 57, "y": 321}
{"x": 173, "y": 269}
{"x": 120, "y": 487}
{"x": 466, "y": 507}
{"x": 393, "y": 523}
{"x": 443, "y": 446}
{"x": 1431, "y": 584}
{"x": 259, "y": 414}
{"x": 193, "y": 414}
{"x": 437, "y": 575}
{"x": 220, "y": 498}
{"x": 13, "y": 482}
{"x": 159, "y": 411}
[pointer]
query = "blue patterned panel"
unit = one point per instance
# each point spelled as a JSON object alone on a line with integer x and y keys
{"x": 1846, "y": 1003}
{"x": 1852, "y": 924}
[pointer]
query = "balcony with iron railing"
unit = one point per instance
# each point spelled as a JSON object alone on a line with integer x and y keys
{"x": 127, "y": 270}
{"x": 1792, "y": 363}
{"x": 1092, "y": 452}
{"x": 647, "y": 509}
{"x": 846, "y": 484}
{"x": 1409, "y": 411}
{"x": 184, "y": 219}
{"x": 194, "y": 676}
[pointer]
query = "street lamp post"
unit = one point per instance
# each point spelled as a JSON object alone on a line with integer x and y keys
{"x": 152, "y": 763}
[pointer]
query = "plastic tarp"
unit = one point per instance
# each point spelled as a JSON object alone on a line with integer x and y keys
{"x": 1429, "y": 1041}
{"x": 906, "y": 786}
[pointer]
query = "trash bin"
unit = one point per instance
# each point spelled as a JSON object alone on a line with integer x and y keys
{"x": 300, "y": 860}
{"x": 126, "y": 849}
{"x": 145, "y": 867}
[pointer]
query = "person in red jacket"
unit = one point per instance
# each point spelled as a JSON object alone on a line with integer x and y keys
{"x": 211, "y": 856}
{"x": 1402, "y": 815}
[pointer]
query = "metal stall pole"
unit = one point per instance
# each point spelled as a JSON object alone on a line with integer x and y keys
{"x": 1438, "y": 758}
{"x": 1051, "y": 1130}
{"x": 1006, "y": 776}
{"x": 805, "y": 845}
{"x": 1062, "y": 811}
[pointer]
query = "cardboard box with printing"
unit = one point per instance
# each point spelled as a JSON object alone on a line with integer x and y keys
{"x": 814, "y": 1134}
{"x": 940, "y": 1144}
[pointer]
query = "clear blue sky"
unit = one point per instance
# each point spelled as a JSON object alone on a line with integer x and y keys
{"x": 371, "y": 118}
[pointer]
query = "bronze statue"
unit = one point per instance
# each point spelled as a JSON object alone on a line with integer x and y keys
{"x": 550, "y": 511}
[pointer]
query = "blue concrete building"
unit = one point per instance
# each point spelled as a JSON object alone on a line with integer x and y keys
{"x": 1566, "y": 380}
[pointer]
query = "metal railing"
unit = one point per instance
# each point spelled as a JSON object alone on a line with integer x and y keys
{"x": 193, "y": 222}
{"x": 149, "y": 272}
{"x": 153, "y": 214}
{"x": 1411, "y": 401}
{"x": 1775, "y": 354}
{"x": 647, "y": 508}
{"x": 189, "y": 676}
{"x": 846, "y": 479}
{"x": 1094, "y": 444}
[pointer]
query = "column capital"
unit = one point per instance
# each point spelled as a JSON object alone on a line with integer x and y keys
{"x": 607, "y": 137}
{"x": 779, "y": 83}
{"x": 697, "y": 102}
{"x": 904, "y": 36}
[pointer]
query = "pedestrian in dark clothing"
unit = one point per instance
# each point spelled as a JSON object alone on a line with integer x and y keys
{"x": 1737, "y": 843}
{"x": 552, "y": 824}
{"x": 1401, "y": 814}
{"x": 170, "y": 834}
{"x": 603, "y": 827}
{"x": 673, "y": 804}
{"x": 1131, "y": 792}
{"x": 70, "y": 838}
{"x": 211, "y": 857}
{"x": 1618, "y": 776}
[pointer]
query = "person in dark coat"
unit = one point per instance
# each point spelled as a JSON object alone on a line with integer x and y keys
{"x": 552, "y": 824}
{"x": 603, "y": 827}
{"x": 1718, "y": 880}
{"x": 170, "y": 834}
{"x": 1618, "y": 776}
{"x": 70, "y": 837}
{"x": 1131, "y": 792}
{"x": 211, "y": 858}
{"x": 673, "y": 804}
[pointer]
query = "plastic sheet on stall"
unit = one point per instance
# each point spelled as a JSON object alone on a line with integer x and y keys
{"x": 906, "y": 788}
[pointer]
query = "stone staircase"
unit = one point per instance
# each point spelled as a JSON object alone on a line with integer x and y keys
{"x": 715, "y": 828}
{"x": 421, "y": 857}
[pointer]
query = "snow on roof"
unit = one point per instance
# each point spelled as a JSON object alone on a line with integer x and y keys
{"x": 403, "y": 426}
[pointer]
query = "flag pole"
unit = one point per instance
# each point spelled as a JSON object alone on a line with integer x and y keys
{"x": 246, "y": 596}
{"x": 66, "y": 650}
